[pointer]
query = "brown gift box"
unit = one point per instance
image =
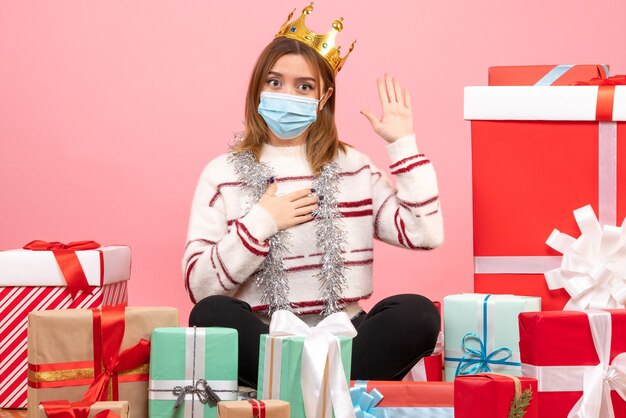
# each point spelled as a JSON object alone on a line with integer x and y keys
{"x": 243, "y": 409}
{"x": 119, "y": 408}
{"x": 61, "y": 355}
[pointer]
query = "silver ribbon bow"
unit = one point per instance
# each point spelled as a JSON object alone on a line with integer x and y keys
{"x": 201, "y": 389}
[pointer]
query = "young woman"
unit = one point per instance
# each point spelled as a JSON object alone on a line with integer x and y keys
{"x": 286, "y": 219}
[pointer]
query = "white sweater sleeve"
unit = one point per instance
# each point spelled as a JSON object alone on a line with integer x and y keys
{"x": 408, "y": 216}
{"x": 219, "y": 257}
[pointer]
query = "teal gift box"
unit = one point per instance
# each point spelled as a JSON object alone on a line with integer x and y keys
{"x": 280, "y": 369}
{"x": 481, "y": 333}
{"x": 188, "y": 366}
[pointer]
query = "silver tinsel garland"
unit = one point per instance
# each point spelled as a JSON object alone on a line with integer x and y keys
{"x": 330, "y": 237}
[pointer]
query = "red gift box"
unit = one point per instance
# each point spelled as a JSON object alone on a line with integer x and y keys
{"x": 490, "y": 395}
{"x": 411, "y": 394}
{"x": 544, "y": 75}
{"x": 48, "y": 276}
{"x": 560, "y": 350}
{"x": 538, "y": 153}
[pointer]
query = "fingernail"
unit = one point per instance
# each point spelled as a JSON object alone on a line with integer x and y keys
{"x": 321, "y": 197}
{"x": 272, "y": 179}
{"x": 313, "y": 190}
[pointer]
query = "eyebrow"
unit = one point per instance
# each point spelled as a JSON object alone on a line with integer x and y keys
{"x": 276, "y": 73}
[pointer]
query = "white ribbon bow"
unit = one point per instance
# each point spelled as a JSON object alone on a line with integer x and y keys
{"x": 593, "y": 267}
{"x": 321, "y": 355}
{"x": 598, "y": 381}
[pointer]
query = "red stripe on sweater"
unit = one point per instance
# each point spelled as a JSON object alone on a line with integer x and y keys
{"x": 314, "y": 303}
{"x": 220, "y": 280}
{"x": 204, "y": 241}
{"x": 395, "y": 221}
{"x": 317, "y": 266}
{"x": 228, "y": 276}
{"x": 252, "y": 238}
{"x": 357, "y": 214}
{"x": 404, "y": 160}
{"x": 187, "y": 287}
{"x": 411, "y": 166}
{"x": 250, "y": 247}
{"x": 219, "y": 191}
{"x": 410, "y": 244}
{"x": 354, "y": 204}
{"x": 419, "y": 204}
{"x": 378, "y": 212}
{"x": 345, "y": 173}
{"x": 362, "y": 250}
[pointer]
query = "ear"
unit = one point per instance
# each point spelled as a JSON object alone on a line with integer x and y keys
{"x": 325, "y": 98}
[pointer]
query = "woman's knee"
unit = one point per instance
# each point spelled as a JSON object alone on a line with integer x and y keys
{"x": 216, "y": 310}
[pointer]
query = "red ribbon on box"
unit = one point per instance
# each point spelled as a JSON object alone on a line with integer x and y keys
{"x": 606, "y": 94}
{"x": 65, "y": 409}
{"x": 65, "y": 254}
{"x": 258, "y": 408}
{"x": 108, "y": 331}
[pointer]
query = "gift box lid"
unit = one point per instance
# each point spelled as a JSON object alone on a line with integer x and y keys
{"x": 562, "y": 103}
{"x": 102, "y": 266}
{"x": 545, "y": 75}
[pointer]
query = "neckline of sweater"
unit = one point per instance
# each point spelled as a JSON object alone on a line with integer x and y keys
{"x": 296, "y": 151}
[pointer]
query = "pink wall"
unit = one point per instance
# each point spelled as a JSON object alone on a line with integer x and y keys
{"x": 110, "y": 110}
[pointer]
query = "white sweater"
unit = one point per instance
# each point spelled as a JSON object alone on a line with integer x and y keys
{"x": 225, "y": 247}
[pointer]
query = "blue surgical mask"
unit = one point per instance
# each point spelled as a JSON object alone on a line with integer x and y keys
{"x": 287, "y": 115}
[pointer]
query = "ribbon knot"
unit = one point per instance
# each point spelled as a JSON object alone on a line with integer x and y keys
{"x": 322, "y": 367}
{"x": 365, "y": 403}
{"x": 592, "y": 269}
{"x": 65, "y": 255}
{"x": 201, "y": 389}
{"x": 477, "y": 360}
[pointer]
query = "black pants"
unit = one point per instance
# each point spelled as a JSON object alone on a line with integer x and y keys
{"x": 392, "y": 337}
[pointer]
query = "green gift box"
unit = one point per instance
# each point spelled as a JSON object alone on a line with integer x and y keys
{"x": 481, "y": 333}
{"x": 280, "y": 369}
{"x": 188, "y": 366}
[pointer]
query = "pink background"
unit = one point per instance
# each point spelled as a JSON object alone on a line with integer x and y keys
{"x": 110, "y": 110}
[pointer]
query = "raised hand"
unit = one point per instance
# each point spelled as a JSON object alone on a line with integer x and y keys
{"x": 397, "y": 118}
{"x": 290, "y": 209}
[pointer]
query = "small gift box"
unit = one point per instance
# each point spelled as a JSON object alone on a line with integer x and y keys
{"x": 65, "y": 409}
{"x": 45, "y": 276}
{"x": 537, "y": 154}
{"x": 191, "y": 369}
{"x": 481, "y": 333}
{"x": 492, "y": 395}
{"x": 254, "y": 409}
{"x": 307, "y": 367}
{"x": 544, "y": 75}
{"x": 387, "y": 399}
{"x": 579, "y": 361}
{"x": 92, "y": 355}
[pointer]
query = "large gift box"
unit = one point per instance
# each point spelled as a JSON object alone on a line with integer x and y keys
{"x": 544, "y": 75}
{"x": 387, "y": 399}
{"x": 254, "y": 409}
{"x": 482, "y": 334}
{"x": 538, "y": 153}
{"x": 65, "y": 409}
{"x": 51, "y": 275}
{"x": 307, "y": 367}
{"x": 92, "y": 355}
{"x": 490, "y": 395}
{"x": 569, "y": 351}
{"x": 191, "y": 369}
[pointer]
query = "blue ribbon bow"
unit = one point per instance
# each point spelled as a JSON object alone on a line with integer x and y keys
{"x": 478, "y": 360}
{"x": 365, "y": 403}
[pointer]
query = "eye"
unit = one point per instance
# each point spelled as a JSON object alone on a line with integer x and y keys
{"x": 305, "y": 87}
{"x": 273, "y": 82}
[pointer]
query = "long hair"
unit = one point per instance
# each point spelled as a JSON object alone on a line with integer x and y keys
{"x": 322, "y": 140}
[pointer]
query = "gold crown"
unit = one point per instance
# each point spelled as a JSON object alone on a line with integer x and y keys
{"x": 323, "y": 44}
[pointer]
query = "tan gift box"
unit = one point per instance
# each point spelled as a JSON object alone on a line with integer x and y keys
{"x": 246, "y": 409}
{"x": 119, "y": 408}
{"x": 61, "y": 350}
